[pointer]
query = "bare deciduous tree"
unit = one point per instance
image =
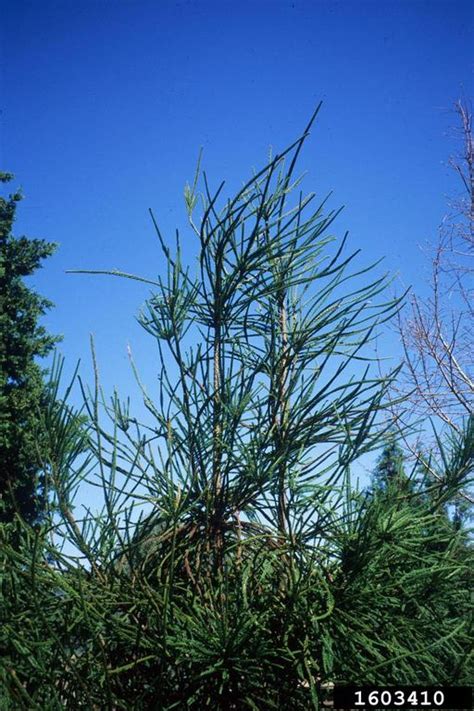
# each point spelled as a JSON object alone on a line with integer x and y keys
{"x": 437, "y": 335}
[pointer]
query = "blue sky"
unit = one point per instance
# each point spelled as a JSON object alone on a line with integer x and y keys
{"x": 105, "y": 106}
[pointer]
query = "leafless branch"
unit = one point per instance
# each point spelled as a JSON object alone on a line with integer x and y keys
{"x": 437, "y": 335}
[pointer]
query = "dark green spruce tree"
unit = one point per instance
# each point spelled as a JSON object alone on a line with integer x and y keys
{"x": 22, "y": 341}
{"x": 390, "y": 470}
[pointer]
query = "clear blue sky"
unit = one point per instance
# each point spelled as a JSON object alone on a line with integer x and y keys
{"x": 106, "y": 104}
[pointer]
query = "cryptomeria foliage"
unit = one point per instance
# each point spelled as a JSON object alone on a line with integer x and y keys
{"x": 22, "y": 340}
{"x": 233, "y": 565}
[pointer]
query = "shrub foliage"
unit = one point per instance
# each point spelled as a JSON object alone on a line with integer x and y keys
{"x": 234, "y": 565}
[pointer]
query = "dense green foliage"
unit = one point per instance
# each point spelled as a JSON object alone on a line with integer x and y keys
{"x": 21, "y": 379}
{"x": 390, "y": 468}
{"x": 234, "y": 565}
{"x": 420, "y": 545}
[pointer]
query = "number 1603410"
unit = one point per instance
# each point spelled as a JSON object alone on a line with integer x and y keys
{"x": 402, "y": 697}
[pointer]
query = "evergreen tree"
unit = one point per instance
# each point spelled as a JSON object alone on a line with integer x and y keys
{"x": 393, "y": 487}
{"x": 21, "y": 378}
{"x": 390, "y": 472}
